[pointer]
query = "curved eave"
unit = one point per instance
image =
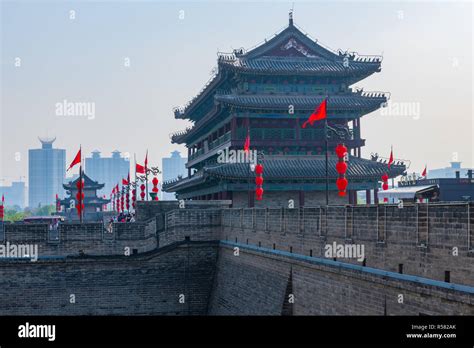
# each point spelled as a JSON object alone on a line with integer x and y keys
{"x": 89, "y": 187}
{"x": 181, "y": 139}
{"x": 359, "y": 72}
{"x": 291, "y": 169}
{"x": 205, "y": 93}
{"x": 301, "y": 104}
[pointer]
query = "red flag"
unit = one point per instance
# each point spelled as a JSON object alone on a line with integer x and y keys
{"x": 146, "y": 160}
{"x": 76, "y": 160}
{"x": 318, "y": 114}
{"x": 139, "y": 169}
{"x": 124, "y": 182}
{"x": 247, "y": 142}
{"x": 390, "y": 160}
{"x": 424, "y": 172}
{"x": 3, "y": 199}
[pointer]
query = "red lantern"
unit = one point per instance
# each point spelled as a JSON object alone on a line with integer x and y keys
{"x": 384, "y": 177}
{"x": 259, "y": 180}
{"x": 341, "y": 184}
{"x": 259, "y": 191}
{"x": 342, "y": 193}
{"x": 142, "y": 194}
{"x": 385, "y": 186}
{"x": 155, "y": 188}
{"x": 341, "y": 150}
{"x": 259, "y": 169}
{"x": 385, "y": 200}
{"x": 341, "y": 167}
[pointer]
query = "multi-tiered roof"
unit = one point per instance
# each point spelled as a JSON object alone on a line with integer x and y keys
{"x": 255, "y": 88}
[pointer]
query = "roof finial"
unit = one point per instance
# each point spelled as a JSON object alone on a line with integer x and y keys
{"x": 290, "y": 16}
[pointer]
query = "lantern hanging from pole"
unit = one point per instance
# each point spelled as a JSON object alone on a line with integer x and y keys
{"x": 80, "y": 196}
{"x": 385, "y": 185}
{"x": 341, "y": 169}
{"x": 142, "y": 193}
{"x": 341, "y": 151}
{"x": 259, "y": 182}
{"x": 155, "y": 188}
{"x": 117, "y": 201}
{"x": 134, "y": 197}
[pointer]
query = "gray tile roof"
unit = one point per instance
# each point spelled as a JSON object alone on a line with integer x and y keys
{"x": 303, "y": 102}
{"x": 293, "y": 168}
{"x": 297, "y": 65}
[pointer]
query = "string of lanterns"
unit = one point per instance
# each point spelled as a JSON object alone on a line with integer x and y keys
{"x": 134, "y": 197}
{"x": 155, "y": 188}
{"x": 127, "y": 199}
{"x": 80, "y": 196}
{"x": 117, "y": 201}
{"x": 259, "y": 182}
{"x": 385, "y": 185}
{"x": 341, "y": 168}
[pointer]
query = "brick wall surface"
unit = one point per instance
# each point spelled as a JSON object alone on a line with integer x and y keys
{"x": 146, "y": 284}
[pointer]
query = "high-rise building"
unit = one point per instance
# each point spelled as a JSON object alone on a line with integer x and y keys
{"x": 173, "y": 167}
{"x": 107, "y": 170}
{"x": 15, "y": 194}
{"x": 46, "y": 173}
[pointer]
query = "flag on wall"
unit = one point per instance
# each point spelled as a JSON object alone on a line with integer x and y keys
{"x": 247, "y": 142}
{"x": 318, "y": 114}
{"x": 76, "y": 160}
{"x": 139, "y": 169}
{"x": 390, "y": 160}
{"x": 424, "y": 172}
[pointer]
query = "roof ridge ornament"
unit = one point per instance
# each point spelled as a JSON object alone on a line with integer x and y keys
{"x": 290, "y": 17}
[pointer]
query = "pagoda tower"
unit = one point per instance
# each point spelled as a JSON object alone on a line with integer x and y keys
{"x": 93, "y": 204}
{"x": 268, "y": 92}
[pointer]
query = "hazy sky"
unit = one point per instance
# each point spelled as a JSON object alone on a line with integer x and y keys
{"x": 427, "y": 49}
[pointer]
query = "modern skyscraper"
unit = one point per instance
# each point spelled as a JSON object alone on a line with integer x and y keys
{"x": 173, "y": 167}
{"x": 107, "y": 170}
{"x": 46, "y": 173}
{"x": 15, "y": 194}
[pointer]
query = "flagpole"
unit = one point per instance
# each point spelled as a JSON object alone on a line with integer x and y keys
{"x": 326, "y": 150}
{"x": 248, "y": 167}
{"x": 136, "y": 186}
{"x": 80, "y": 185}
{"x": 146, "y": 175}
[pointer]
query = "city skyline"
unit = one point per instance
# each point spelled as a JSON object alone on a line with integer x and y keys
{"x": 165, "y": 78}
